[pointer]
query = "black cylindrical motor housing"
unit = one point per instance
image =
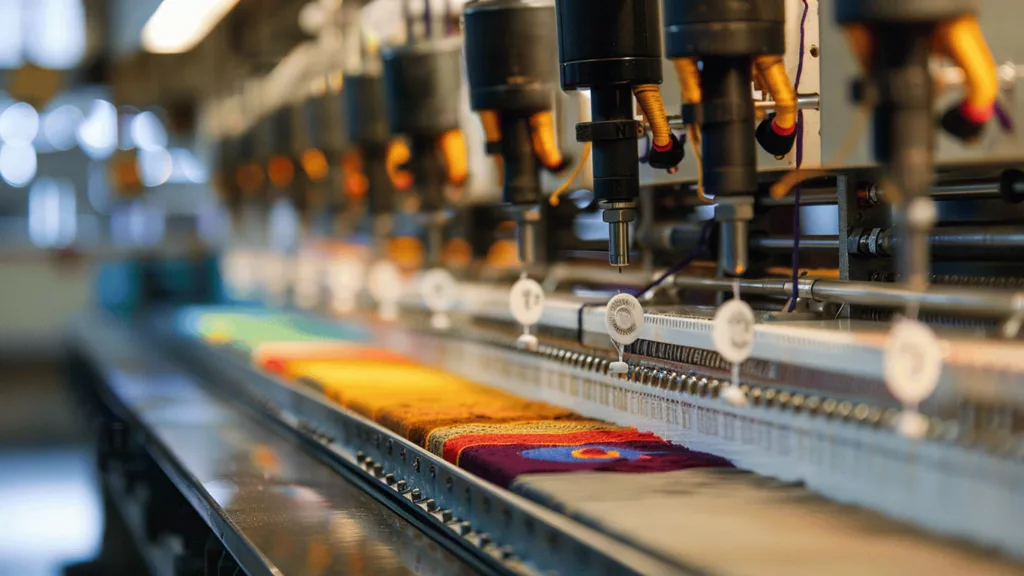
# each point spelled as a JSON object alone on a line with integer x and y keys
{"x": 381, "y": 197}
{"x": 421, "y": 85}
{"x": 616, "y": 166}
{"x": 726, "y": 36}
{"x": 228, "y": 161}
{"x": 303, "y": 126}
{"x": 520, "y": 168}
{"x": 245, "y": 147}
{"x": 320, "y": 124}
{"x": 281, "y": 132}
{"x": 699, "y": 28}
{"x": 729, "y": 155}
{"x": 509, "y": 47}
{"x": 366, "y": 119}
{"x": 603, "y": 42}
{"x": 427, "y": 165}
{"x": 261, "y": 136}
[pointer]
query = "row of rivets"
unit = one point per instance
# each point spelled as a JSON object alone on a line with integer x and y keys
{"x": 429, "y": 506}
{"x": 693, "y": 385}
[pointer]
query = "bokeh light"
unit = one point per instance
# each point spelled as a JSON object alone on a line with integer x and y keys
{"x": 17, "y": 163}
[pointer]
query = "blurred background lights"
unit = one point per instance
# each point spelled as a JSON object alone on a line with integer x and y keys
{"x": 148, "y": 132}
{"x": 213, "y": 223}
{"x": 60, "y": 127}
{"x": 154, "y": 167}
{"x": 283, "y": 230}
{"x": 178, "y": 25}
{"x": 17, "y": 163}
{"x": 19, "y": 123}
{"x": 187, "y": 168}
{"x": 11, "y": 34}
{"x": 97, "y": 135}
{"x": 97, "y": 187}
{"x": 48, "y": 33}
{"x": 125, "y": 120}
{"x": 56, "y": 33}
{"x": 52, "y": 213}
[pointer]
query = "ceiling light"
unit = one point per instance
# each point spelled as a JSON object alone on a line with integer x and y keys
{"x": 178, "y": 25}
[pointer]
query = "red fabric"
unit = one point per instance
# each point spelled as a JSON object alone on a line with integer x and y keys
{"x": 274, "y": 365}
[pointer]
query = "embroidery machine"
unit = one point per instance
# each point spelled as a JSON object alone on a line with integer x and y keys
{"x": 848, "y": 168}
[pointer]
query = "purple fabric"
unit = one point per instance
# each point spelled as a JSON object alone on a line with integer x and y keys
{"x": 502, "y": 464}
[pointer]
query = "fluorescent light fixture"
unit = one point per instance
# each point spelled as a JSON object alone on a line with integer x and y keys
{"x": 178, "y": 25}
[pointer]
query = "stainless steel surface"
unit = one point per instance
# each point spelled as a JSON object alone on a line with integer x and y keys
{"x": 875, "y": 194}
{"x": 814, "y": 439}
{"x": 998, "y": 304}
{"x": 976, "y": 191}
{"x": 820, "y": 243}
{"x": 618, "y": 216}
{"x": 618, "y": 244}
{"x": 808, "y": 197}
{"x": 733, "y": 246}
{"x": 435, "y": 238}
{"x": 803, "y": 102}
{"x": 527, "y": 222}
{"x": 280, "y": 510}
{"x": 991, "y": 243}
{"x": 977, "y": 242}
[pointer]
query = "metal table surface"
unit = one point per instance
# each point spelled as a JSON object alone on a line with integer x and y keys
{"x": 277, "y": 508}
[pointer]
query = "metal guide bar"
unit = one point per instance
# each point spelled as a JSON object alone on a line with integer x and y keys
{"x": 848, "y": 460}
{"x": 520, "y": 535}
{"x": 988, "y": 370}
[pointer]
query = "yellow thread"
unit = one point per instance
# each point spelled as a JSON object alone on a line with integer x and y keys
{"x": 398, "y": 155}
{"x": 492, "y": 125}
{"x": 772, "y": 71}
{"x": 649, "y": 98}
{"x": 964, "y": 42}
{"x": 689, "y": 87}
{"x": 689, "y": 79}
{"x": 453, "y": 148}
{"x": 553, "y": 200}
{"x": 542, "y": 135}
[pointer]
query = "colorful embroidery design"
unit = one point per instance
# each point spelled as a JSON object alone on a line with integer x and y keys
{"x": 496, "y": 435}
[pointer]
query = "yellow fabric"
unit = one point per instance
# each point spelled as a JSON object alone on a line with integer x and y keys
{"x": 413, "y": 400}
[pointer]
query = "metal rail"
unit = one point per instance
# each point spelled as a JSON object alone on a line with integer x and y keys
{"x": 997, "y": 304}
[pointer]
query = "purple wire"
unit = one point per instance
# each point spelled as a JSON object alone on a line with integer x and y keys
{"x": 795, "y": 262}
{"x": 702, "y": 246}
{"x": 1004, "y": 118}
{"x": 428, "y": 20}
